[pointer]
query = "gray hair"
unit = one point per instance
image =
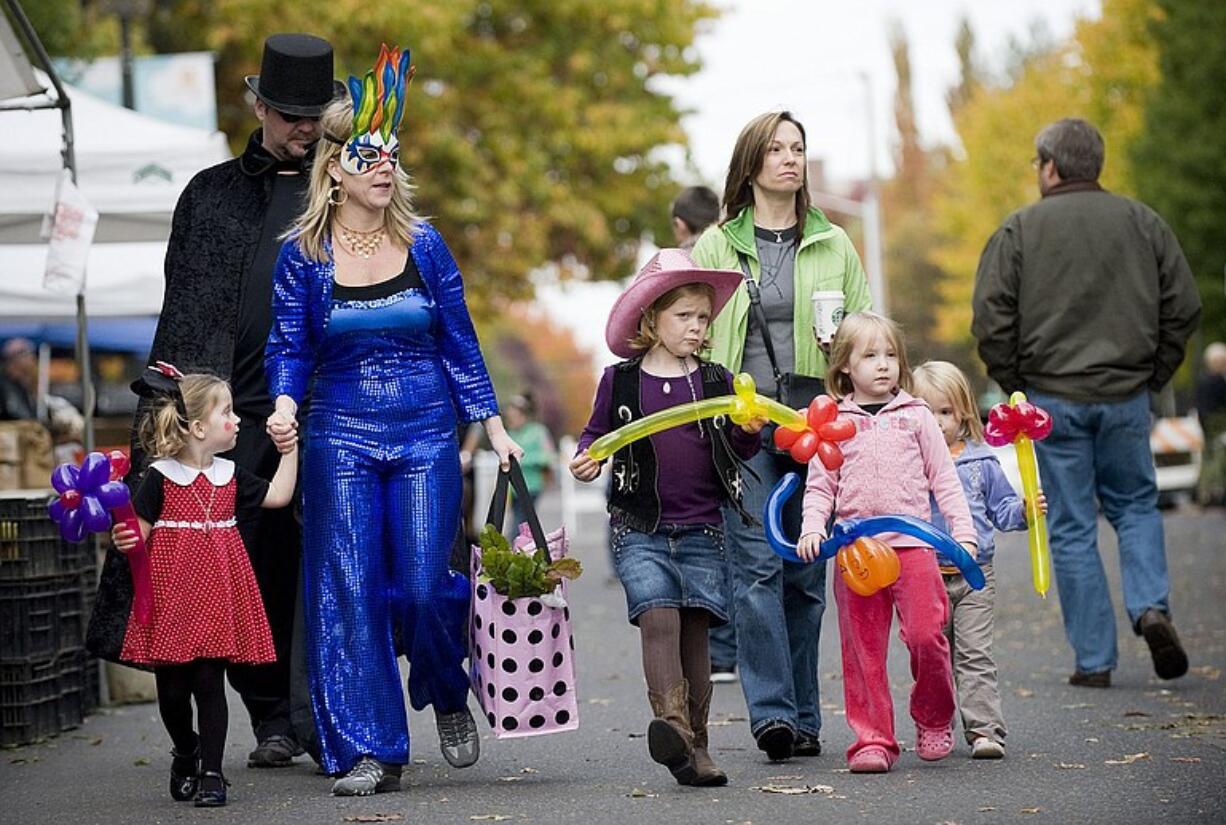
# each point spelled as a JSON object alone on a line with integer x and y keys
{"x": 1076, "y": 147}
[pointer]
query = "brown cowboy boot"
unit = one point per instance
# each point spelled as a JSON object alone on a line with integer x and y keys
{"x": 669, "y": 737}
{"x": 705, "y": 772}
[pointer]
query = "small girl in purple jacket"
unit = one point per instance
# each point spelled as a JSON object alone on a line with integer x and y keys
{"x": 896, "y": 460}
{"x": 994, "y": 504}
{"x": 664, "y": 506}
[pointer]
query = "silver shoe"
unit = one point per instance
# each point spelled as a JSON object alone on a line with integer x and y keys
{"x": 457, "y": 736}
{"x": 369, "y": 776}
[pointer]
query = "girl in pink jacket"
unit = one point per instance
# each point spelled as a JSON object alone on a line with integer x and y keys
{"x": 897, "y": 457}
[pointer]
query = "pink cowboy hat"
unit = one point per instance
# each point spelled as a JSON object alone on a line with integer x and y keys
{"x": 668, "y": 268}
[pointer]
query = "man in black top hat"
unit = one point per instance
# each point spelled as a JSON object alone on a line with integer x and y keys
{"x": 216, "y": 316}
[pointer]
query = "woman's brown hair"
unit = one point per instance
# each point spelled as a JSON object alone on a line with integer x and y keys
{"x": 747, "y": 158}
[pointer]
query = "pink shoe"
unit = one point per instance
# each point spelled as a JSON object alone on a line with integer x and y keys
{"x": 870, "y": 759}
{"x": 932, "y": 744}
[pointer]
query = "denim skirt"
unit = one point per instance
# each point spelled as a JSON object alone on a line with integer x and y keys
{"x": 679, "y": 565}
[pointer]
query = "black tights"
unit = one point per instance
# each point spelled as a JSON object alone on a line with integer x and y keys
{"x": 177, "y": 684}
{"x": 675, "y": 647}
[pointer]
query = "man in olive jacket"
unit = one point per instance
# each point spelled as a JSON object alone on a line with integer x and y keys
{"x": 1085, "y": 301}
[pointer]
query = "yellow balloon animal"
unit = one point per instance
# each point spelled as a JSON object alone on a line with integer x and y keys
{"x": 743, "y": 405}
{"x": 1021, "y": 423}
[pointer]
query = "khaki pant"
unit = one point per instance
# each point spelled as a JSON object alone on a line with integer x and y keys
{"x": 969, "y": 630}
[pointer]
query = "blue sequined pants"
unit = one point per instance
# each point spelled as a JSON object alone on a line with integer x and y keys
{"x": 381, "y": 493}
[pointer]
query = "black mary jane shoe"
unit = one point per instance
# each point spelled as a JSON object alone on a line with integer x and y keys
{"x": 184, "y": 774}
{"x": 212, "y": 793}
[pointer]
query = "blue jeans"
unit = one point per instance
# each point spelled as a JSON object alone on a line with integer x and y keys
{"x": 723, "y": 638}
{"x": 778, "y": 611}
{"x": 1098, "y": 454}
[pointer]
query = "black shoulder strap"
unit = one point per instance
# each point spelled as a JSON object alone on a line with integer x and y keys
{"x": 755, "y": 301}
{"x": 514, "y": 477}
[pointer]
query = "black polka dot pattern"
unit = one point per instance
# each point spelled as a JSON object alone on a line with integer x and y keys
{"x": 523, "y": 671}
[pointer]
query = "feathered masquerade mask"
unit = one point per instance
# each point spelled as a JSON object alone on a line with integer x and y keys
{"x": 378, "y": 107}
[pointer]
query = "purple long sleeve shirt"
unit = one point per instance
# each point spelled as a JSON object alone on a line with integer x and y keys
{"x": 689, "y": 490}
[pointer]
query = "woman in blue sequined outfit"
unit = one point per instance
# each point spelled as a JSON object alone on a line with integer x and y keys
{"x": 369, "y": 313}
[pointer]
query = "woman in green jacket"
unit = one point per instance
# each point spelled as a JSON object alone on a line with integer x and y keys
{"x": 791, "y": 251}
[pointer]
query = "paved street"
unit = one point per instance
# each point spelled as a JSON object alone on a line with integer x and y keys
{"x": 1141, "y": 752}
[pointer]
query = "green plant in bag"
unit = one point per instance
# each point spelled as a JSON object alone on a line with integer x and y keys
{"x": 519, "y": 575}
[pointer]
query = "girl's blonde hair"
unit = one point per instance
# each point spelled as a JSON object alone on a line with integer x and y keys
{"x": 314, "y": 226}
{"x": 163, "y": 431}
{"x": 856, "y": 327}
{"x": 943, "y": 378}
{"x": 646, "y": 337}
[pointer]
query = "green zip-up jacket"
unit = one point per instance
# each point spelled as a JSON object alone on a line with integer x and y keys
{"x": 826, "y": 260}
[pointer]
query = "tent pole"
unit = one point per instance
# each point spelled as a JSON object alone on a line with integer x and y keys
{"x": 70, "y": 162}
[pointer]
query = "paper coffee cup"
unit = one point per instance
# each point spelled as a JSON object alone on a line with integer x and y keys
{"x": 827, "y": 313}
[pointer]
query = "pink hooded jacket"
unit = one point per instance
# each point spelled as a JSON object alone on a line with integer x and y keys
{"x": 889, "y": 466}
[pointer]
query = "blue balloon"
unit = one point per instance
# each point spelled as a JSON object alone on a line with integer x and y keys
{"x": 948, "y": 550}
{"x": 72, "y": 528}
{"x": 65, "y": 477}
{"x": 113, "y": 494}
{"x": 96, "y": 518}
{"x": 56, "y": 510}
{"x": 95, "y": 471}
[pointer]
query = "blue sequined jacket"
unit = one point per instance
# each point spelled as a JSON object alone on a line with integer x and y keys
{"x": 302, "y": 300}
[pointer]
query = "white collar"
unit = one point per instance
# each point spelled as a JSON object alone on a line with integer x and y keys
{"x": 218, "y": 473}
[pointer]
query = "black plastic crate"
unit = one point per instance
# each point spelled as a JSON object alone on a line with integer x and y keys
{"x": 30, "y": 694}
{"x": 42, "y": 617}
{"x": 30, "y": 542}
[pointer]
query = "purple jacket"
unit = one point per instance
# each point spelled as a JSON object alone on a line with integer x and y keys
{"x": 994, "y": 503}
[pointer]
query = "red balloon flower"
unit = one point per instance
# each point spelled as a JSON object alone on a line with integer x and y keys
{"x": 820, "y": 437}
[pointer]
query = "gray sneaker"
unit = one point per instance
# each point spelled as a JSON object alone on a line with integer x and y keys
{"x": 275, "y": 751}
{"x": 369, "y": 776}
{"x": 457, "y": 736}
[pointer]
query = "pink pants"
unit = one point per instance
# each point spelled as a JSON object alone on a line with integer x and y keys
{"x": 864, "y": 631}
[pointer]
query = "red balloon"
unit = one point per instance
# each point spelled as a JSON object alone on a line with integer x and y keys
{"x": 830, "y": 454}
{"x": 71, "y": 499}
{"x": 1041, "y": 427}
{"x": 1005, "y": 418}
{"x": 821, "y": 410}
{"x": 840, "y": 429}
{"x": 995, "y": 435}
{"x": 120, "y": 464}
{"x": 804, "y": 448}
{"x": 785, "y": 438}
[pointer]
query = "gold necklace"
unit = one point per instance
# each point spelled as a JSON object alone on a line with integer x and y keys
{"x": 362, "y": 244}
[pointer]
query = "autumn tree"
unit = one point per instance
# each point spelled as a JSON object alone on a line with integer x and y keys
{"x": 1102, "y": 73}
{"x": 532, "y": 125}
{"x": 1180, "y": 158}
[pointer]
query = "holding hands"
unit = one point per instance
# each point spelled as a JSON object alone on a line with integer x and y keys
{"x": 282, "y": 425}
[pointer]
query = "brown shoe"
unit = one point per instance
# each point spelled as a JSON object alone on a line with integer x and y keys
{"x": 705, "y": 772}
{"x": 1170, "y": 661}
{"x": 670, "y": 739}
{"x": 1100, "y": 679}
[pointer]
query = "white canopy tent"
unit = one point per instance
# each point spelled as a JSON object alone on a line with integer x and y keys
{"x": 131, "y": 168}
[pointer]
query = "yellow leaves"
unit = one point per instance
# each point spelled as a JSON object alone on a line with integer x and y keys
{"x": 1128, "y": 759}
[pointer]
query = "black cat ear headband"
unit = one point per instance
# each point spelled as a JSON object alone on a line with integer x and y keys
{"x": 161, "y": 380}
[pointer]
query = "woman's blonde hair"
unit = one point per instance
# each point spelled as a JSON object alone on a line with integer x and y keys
{"x": 943, "y": 378}
{"x": 314, "y": 226}
{"x": 856, "y": 327}
{"x": 748, "y": 157}
{"x": 163, "y": 431}
{"x": 646, "y": 337}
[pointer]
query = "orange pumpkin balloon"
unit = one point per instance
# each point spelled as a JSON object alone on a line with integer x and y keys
{"x": 867, "y": 565}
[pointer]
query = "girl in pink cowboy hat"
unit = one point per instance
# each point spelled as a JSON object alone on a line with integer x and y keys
{"x": 668, "y": 537}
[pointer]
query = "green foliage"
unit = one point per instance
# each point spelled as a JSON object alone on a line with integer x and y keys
{"x": 521, "y": 575}
{"x": 531, "y": 126}
{"x": 69, "y": 28}
{"x": 1180, "y": 158}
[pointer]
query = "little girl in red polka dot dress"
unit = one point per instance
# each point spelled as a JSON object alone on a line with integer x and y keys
{"x": 207, "y": 609}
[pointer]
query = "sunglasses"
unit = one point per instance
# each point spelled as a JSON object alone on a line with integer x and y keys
{"x": 288, "y": 118}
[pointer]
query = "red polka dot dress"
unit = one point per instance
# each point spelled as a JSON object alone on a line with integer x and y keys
{"x": 206, "y": 603}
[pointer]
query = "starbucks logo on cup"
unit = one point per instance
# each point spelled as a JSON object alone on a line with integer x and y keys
{"x": 837, "y": 316}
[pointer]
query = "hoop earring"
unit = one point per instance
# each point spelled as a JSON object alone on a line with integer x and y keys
{"x": 333, "y": 200}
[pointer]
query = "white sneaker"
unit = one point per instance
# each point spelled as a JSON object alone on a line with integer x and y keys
{"x": 985, "y": 748}
{"x": 723, "y": 674}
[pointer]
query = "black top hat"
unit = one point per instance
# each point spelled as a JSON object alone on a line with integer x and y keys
{"x": 296, "y": 75}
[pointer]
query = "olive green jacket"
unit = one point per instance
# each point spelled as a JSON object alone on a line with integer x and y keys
{"x": 826, "y": 260}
